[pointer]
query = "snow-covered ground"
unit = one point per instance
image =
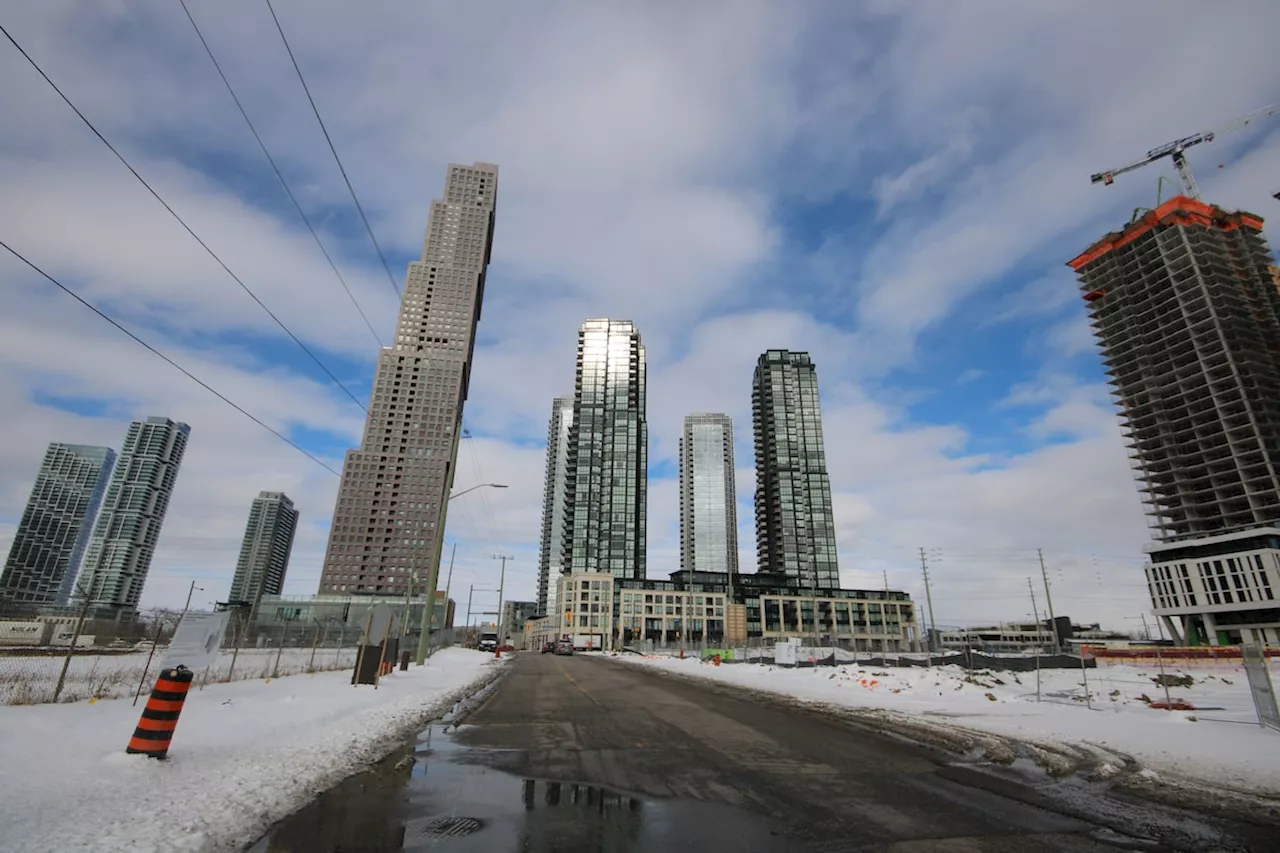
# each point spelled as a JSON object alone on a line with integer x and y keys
{"x": 1220, "y": 742}
{"x": 244, "y": 755}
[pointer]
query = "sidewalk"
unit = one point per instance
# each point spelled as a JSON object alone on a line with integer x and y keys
{"x": 244, "y": 755}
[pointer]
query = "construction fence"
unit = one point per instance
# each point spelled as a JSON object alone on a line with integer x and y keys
{"x": 761, "y": 650}
{"x": 35, "y": 676}
{"x": 1215, "y": 684}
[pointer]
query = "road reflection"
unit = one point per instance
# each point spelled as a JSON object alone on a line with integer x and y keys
{"x": 436, "y": 796}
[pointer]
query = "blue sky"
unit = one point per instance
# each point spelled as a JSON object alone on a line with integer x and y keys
{"x": 893, "y": 187}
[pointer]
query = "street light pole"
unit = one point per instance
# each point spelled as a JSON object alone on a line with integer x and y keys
{"x": 186, "y": 606}
{"x": 448, "y": 584}
{"x": 424, "y": 634}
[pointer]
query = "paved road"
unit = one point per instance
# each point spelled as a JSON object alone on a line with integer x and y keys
{"x": 583, "y": 754}
{"x": 820, "y": 781}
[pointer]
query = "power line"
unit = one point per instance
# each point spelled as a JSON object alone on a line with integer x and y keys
{"x": 367, "y": 227}
{"x": 276, "y": 169}
{"x": 175, "y": 215}
{"x": 157, "y": 352}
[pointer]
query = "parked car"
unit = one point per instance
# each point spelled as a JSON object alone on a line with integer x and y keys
{"x": 548, "y": 647}
{"x": 564, "y": 647}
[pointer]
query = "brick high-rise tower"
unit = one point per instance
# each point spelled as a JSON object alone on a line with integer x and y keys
{"x": 390, "y": 516}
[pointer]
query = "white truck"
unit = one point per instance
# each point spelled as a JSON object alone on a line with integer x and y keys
{"x": 488, "y": 641}
{"x": 588, "y": 642}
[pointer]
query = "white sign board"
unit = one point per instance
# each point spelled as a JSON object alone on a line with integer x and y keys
{"x": 62, "y": 637}
{"x": 784, "y": 653}
{"x": 377, "y": 624}
{"x": 198, "y": 640}
{"x": 21, "y": 633}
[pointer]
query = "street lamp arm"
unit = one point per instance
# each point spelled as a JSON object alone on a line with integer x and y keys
{"x": 479, "y": 486}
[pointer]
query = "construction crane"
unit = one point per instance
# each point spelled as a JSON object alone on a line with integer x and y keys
{"x": 1176, "y": 148}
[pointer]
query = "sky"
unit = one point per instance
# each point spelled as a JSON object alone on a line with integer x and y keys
{"x": 893, "y": 187}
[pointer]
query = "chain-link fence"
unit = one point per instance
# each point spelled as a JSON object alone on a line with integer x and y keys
{"x": 34, "y": 676}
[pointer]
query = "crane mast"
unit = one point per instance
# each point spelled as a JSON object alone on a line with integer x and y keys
{"x": 1176, "y": 150}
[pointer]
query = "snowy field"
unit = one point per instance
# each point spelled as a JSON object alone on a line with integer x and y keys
{"x": 245, "y": 755}
{"x": 1220, "y": 743}
{"x": 32, "y": 680}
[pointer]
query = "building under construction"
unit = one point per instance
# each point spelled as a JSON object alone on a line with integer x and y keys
{"x": 1187, "y": 314}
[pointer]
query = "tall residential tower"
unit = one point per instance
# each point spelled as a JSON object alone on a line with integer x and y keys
{"x": 389, "y": 520}
{"x": 124, "y": 538}
{"x": 265, "y": 549}
{"x": 56, "y": 525}
{"x": 1188, "y": 319}
{"x": 795, "y": 528}
{"x": 550, "y": 559}
{"x": 608, "y": 461}
{"x": 708, "y": 499}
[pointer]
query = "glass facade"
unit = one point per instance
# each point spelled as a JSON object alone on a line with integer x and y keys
{"x": 264, "y": 552}
{"x": 551, "y": 553}
{"x": 708, "y": 503}
{"x": 56, "y": 524}
{"x": 124, "y": 538}
{"x": 606, "y": 476}
{"x": 795, "y": 527}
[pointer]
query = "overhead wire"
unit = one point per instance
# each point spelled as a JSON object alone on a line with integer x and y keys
{"x": 170, "y": 361}
{"x": 484, "y": 499}
{"x": 323, "y": 129}
{"x": 275, "y": 168}
{"x": 180, "y": 220}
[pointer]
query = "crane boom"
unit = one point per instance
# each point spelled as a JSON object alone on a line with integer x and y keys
{"x": 1176, "y": 148}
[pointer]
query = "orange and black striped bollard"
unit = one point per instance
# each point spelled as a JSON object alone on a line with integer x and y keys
{"x": 160, "y": 717}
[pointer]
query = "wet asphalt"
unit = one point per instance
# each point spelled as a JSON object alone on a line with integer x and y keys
{"x": 582, "y": 753}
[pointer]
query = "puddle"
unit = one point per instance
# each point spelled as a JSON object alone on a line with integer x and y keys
{"x": 435, "y": 794}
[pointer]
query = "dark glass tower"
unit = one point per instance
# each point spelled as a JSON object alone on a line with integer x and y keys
{"x": 795, "y": 528}
{"x": 56, "y": 524}
{"x": 124, "y": 538}
{"x": 264, "y": 552}
{"x": 551, "y": 552}
{"x": 708, "y": 503}
{"x": 607, "y": 470}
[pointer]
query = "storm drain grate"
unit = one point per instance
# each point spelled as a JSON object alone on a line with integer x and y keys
{"x": 441, "y": 827}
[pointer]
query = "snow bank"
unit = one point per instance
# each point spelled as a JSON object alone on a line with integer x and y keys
{"x": 1220, "y": 743}
{"x": 244, "y": 756}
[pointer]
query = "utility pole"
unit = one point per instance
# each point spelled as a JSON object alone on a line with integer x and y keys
{"x": 1035, "y": 613}
{"x": 424, "y": 636}
{"x": 502, "y": 579}
{"x": 89, "y": 596}
{"x": 1035, "y": 616}
{"x": 885, "y": 573}
{"x": 186, "y": 606}
{"x": 408, "y": 596}
{"x": 448, "y": 584}
{"x": 1053, "y": 622}
{"x": 470, "y": 592}
{"x": 928, "y": 594}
